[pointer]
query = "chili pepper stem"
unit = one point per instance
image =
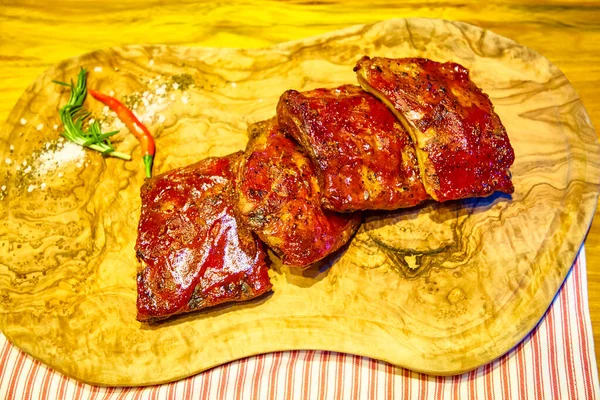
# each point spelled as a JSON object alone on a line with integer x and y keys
{"x": 148, "y": 160}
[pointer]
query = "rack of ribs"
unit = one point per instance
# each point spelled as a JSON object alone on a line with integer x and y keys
{"x": 364, "y": 158}
{"x": 279, "y": 198}
{"x": 194, "y": 253}
{"x": 462, "y": 147}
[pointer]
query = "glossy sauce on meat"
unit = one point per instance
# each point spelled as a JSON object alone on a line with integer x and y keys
{"x": 279, "y": 198}
{"x": 364, "y": 157}
{"x": 193, "y": 251}
{"x": 462, "y": 146}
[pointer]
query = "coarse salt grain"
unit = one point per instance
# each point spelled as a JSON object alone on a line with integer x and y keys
{"x": 152, "y": 110}
{"x": 27, "y": 170}
{"x": 233, "y": 84}
{"x": 43, "y": 185}
{"x": 30, "y": 188}
{"x": 23, "y": 121}
{"x": 151, "y": 62}
{"x": 60, "y": 174}
{"x": 3, "y": 188}
{"x": 39, "y": 127}
{"x": 11, "y": 148}
{"x": 161, "y": 118}
{"x": 55, "y": 127}
{"x": 98, "y": 69}
{"x": 111, "y": 93}
{"x": 52, "y": 159}
{"x": 8, "y": 161}
{"x": 184, "y": 100}
{"x": 175, "y": 86}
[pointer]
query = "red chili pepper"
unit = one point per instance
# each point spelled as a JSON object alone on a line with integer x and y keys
{"x": 133, "y": 124}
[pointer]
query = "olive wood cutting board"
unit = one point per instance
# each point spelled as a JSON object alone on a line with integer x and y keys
{"x": 439, "y": 288}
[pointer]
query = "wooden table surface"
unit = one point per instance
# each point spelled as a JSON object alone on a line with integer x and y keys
{"x": 34, "y": 36}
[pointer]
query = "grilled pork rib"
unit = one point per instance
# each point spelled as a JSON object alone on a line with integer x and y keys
{"x": 365, "y": 159}
{"x": 279, "y": 198}
{"x": 462, "y": 147}
{"x": 193, "y": 251}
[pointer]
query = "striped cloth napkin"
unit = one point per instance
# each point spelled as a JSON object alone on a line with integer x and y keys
{"x": 555, "y": 361}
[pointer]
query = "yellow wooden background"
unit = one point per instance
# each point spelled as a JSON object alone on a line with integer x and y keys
{"x": 37, "y": 34}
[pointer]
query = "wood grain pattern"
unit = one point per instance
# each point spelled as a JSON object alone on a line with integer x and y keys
{"x": 38, "y": 36}
{"x": 441, "y": 288}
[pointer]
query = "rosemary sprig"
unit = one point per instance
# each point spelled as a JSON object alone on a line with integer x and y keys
{"x": 73, "y": 116}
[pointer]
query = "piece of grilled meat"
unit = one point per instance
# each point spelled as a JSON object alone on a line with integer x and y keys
{"x": 365, "y": 159}
{"x": 279, "y": 198}
{"x": 194, "y": 252}
{"x": 462, "y": 147}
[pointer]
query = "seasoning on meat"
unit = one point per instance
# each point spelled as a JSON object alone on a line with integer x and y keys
{"x": 279, "y": 198}
{"x": 462, "y": 147}
{"x": 193, "y": 250}
{"x": 364, "y": 157}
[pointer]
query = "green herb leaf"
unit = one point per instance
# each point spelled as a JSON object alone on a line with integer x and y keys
{"x": 73, "y": 117}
